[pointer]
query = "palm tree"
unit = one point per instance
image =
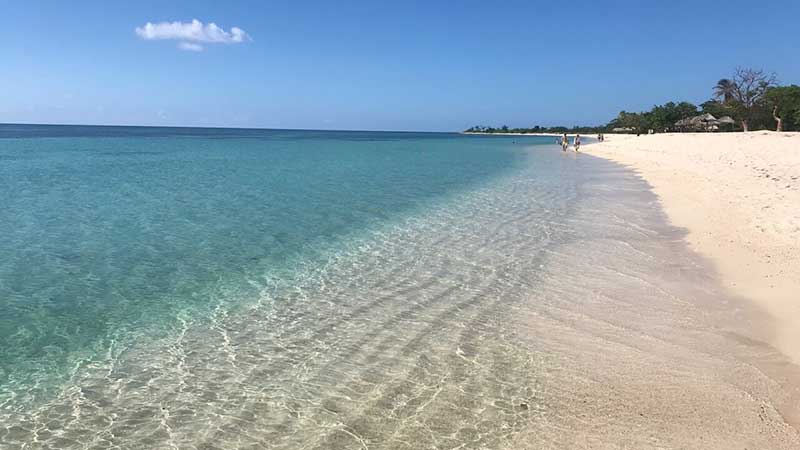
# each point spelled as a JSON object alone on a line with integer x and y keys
{"x": 724, "y": 90}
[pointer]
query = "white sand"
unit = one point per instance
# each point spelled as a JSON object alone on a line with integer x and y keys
{"x": 738, "y": 195}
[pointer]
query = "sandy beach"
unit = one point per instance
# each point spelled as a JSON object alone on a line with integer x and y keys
{"x": 738, "y": 196}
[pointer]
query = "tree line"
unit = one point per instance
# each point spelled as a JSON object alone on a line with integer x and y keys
{"x": 751, "y": 97}
{"x": 534, "y": 129}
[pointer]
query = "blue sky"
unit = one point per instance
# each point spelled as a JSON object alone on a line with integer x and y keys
{"x": 393, "y": 65}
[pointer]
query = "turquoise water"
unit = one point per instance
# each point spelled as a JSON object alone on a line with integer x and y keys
{"x": 109, "y": 233}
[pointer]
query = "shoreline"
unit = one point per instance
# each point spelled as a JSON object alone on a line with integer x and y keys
{"x": 737, "y": 195}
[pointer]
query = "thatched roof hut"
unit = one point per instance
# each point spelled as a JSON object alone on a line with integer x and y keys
{"x": 703, "y": 122}
{"x": 726, "y": 120}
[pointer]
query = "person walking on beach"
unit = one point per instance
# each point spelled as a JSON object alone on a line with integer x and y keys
{"x": 564, "y": 142}
{"x": 577, "y": 142}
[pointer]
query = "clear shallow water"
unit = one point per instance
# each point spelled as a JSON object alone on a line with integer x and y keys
{"x": 240, "y": 288}
{"x": 104, "y": 234}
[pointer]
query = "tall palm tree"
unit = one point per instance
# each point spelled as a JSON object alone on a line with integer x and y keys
{"x": 724, "y": 90}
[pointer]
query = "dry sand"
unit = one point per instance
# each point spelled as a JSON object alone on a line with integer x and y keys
{"x": 738, "y": 195}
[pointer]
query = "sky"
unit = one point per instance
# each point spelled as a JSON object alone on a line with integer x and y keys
{"x": 377, "y": 65}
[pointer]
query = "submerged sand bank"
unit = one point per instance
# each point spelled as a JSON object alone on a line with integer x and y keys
{"x": 738, "y": 195}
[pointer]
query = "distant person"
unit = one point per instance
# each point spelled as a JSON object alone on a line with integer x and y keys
{"x": 564, "y": 142}
{"x": 577, "y": 142}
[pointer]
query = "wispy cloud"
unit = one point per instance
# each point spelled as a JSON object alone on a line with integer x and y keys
{"x": 191, "y": 34}
{"x": 188, "y": 46}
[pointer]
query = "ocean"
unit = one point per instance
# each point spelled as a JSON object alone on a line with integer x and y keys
{"x": 239, "y": 288}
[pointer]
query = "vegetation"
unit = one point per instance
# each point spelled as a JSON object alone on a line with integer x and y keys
{"x": 785, "y": 103}
{"x": 744, "y": 95}
{"x": 659, "y": 118}
{"x": 751, "y": 97}
{"x": 535, "y": 129}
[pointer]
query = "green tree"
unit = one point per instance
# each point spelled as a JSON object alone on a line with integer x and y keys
{"x": 663, "y": 117}
{"x": 626, "y": 119}
{"x": 716, "y": 109}
{"x": 684, "y": 110}
{"x": 784, "y": 102}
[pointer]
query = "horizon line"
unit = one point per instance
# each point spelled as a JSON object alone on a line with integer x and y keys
{"x": 221, "y": 127}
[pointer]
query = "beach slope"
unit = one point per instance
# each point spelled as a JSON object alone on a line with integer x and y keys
{"x": 738, "y": 196}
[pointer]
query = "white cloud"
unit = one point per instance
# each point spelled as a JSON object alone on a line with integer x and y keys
{"x": 188, "y": 46}
{"x": 191, "y": 34}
